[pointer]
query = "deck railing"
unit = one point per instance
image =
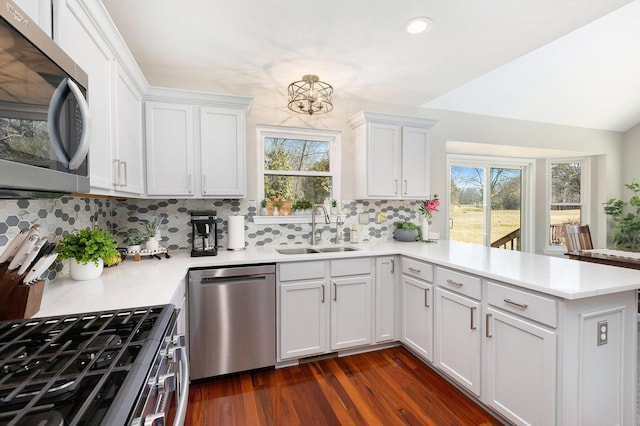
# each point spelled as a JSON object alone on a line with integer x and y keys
{"x": 511, "y": 241}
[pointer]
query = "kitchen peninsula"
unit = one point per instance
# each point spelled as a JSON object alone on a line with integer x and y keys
{"x": 560, "y": 332}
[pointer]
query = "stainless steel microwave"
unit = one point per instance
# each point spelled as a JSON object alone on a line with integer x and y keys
{"x": 44, "y": 117}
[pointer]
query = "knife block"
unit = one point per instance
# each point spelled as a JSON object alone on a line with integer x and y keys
{"x": 18, "y": 301}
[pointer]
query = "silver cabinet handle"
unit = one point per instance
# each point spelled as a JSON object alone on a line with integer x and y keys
{"x": 406, "y": 187}
{"x": 417, "y": 271}
{"x": 124, "y": 163}
{"x": 335, "y": 292}
{"x": 116, "y": 172}
{"x": 322, "y": 301}
{"x": 455, "y": 283}
{"x": 473, "y": 314}
{"x": 516, "y": 304}
{"x": 396, "y": 186}
{"x": 190, "y": 183}
{"x": 486, "y": 326}
{"x": 204, "y": 184}
{"x": 393, "y": 266}
{"x": 426, "y": 298}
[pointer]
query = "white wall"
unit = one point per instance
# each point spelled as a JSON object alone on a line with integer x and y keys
{"x": 631, "y": 155}
{"x": 454, "y": 126}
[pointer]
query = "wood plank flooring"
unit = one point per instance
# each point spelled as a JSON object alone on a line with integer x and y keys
{"x": 385, "y": 387}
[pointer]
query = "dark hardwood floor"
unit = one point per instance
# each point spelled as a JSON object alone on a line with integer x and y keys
{"x": 386, "y": 387}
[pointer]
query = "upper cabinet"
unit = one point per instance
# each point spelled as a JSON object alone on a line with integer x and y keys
{"x": 195, "y": 144}
{"x": 116, "y": 162}
{"x": 392, "y": 160}
{"x": 39, "y": 11}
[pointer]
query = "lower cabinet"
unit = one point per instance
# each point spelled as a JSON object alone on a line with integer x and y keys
{"x": 316, "y": 297}
{"x": 458, "y": 339}
{"x": 303, "y": 313}
{"x": 417, "y": 316}
{"x": 520, "y": 374}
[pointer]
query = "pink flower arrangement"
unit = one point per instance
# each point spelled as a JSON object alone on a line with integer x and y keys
{"x": 427, "y": 207}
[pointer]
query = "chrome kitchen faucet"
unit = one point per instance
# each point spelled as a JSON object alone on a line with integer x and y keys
{"x": 327, "y": 220}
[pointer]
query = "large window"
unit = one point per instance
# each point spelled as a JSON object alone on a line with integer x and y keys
{"x": 566, "y": 197}
{"x": 298, "y": 164}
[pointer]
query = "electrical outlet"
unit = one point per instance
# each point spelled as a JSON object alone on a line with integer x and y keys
{"x": 603, "y": 332}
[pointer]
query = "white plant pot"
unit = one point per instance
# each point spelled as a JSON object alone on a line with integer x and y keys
{"x": 80, "y": 272}
{"x": 134, "y": 249}
{"x": 152, "y": 244}
{"x": 275, "y": 211}
{"x": 424, "y": 228}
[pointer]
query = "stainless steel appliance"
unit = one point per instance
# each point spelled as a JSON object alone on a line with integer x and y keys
{"x": 119, "y": 367}
{"x": 232, "y": 319}
{"x": 204, "y": 232}
{"x": 44, "y": 117}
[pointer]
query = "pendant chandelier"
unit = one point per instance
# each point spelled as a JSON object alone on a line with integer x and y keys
{"x": 310, "y": 95}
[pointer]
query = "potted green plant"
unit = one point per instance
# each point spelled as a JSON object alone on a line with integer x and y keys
{"x": 334, "y": 206}
{"x": 405, "y": 231}
{"x": 87, "y": 249}
{"x": 134, "y": 239}
{"x": 626, "y": 233}
{"x": 263, "y": 208}
{"x": 302, "y": 206}
{"x": 276, "y": 203}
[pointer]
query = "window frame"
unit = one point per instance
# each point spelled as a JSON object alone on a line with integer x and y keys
{"x": 331, "y": 136}
{"x": 585, "y": 197}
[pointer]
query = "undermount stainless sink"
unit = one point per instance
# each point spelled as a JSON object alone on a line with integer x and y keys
{"x": 300, "y": 250}
{"x": 336, "y": 249}
{"x": 315, "y": 250}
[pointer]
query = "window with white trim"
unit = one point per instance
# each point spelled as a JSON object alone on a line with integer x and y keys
{"x": 567, "y": 195}
{"x": 297, "y": 165}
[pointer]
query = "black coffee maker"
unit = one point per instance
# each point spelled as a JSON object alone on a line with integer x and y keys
{"x": 204, "y": 233}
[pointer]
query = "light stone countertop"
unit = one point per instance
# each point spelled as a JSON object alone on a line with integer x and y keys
{"x": 154, "y": 282}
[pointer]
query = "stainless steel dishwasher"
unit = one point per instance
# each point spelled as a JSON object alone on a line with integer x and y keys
{"x": 232, "y": 319}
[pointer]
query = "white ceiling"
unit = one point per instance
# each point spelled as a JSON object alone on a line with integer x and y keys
{"x": 513, "y": 58}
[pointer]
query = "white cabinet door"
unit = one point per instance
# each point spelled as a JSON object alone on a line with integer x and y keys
{"x": 81, "y": 40}
{"x": 457, "y": 346}
{"x": 385, "y": 299}
{"x": 417, "y": 316}
{"x": 39, "y": 11}
{"x": 302, "y": 319}
{"x": 223, "y": 146}
{"x": 169, "y": 146}
{"x": 520, "y": 376}
{"x": 129, "y": 147}
{"x": 384, "y": 160}
{"x": 351, "y": 312}
{"x": 415, "y": 163}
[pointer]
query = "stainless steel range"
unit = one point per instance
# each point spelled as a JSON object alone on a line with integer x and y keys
{"x": 118, "y": 367}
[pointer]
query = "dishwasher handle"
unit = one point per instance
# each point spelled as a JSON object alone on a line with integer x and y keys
{"x": 232, "y": 280}
{"x": 210, "y": 274}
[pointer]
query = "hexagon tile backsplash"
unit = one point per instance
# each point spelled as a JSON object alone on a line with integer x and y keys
{"x": 59, "y": 216}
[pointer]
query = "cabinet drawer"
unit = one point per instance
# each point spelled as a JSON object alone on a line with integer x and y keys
{"x": 528, "y": 305}
{"x": 345, "y": 267}
{"x": 459, "y": 282}
{"x": 415, "y": 268}
{"x": 300, "y": 271}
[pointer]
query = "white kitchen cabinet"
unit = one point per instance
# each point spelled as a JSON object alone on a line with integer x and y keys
{"x": 207, "y": 135}
{"x": 320, "y": 302}
{"x": 351, "y": 312}
{"x": 520, "y": 373}
{"x": 169, "y": 148}
{"x": 457, "y": 331}
{"x": 385, "y": 289}
{"x": 85, "y": 32}
{"x": 396, "y": 163}
{"x": 417, "y": 316}
{"x": 303, "y": 311}
{"x": 40, "y": 12}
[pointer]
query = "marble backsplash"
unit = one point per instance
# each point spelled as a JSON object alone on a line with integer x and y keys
{"x": 59, "y": 216}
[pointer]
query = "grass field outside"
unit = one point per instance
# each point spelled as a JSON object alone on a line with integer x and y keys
{"x": 468, "y": 219}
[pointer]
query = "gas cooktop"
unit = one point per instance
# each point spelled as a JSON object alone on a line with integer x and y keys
{"x": 78, "y": 369}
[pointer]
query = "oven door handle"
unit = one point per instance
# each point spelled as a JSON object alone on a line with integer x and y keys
{"x": 181, "y": 407}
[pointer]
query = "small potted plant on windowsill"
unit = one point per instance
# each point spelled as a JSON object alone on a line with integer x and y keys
{"x": 263, "y": 208}
{"x": 87, "y": 249}
{"x": 302, "y": 206}
{"x": 405, "y": 231}
{"x": 276, "y": 204}
{"x": 334, "y": 207}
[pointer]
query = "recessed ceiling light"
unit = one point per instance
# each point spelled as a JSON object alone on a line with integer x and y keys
{"x": 419, "y": 25}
